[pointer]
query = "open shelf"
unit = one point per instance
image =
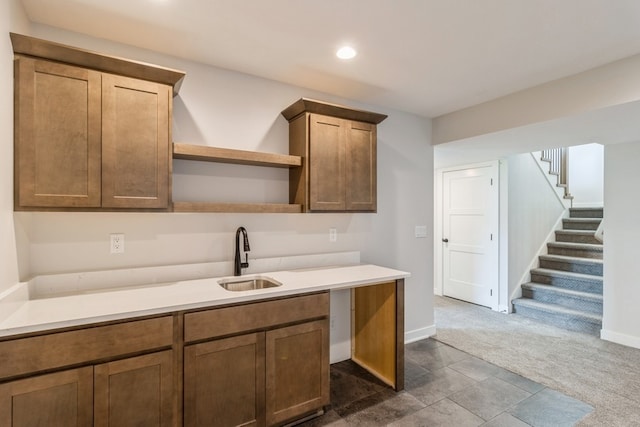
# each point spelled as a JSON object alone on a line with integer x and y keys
{"x": 239, "y": 157}
{"x": 196, "y": 207}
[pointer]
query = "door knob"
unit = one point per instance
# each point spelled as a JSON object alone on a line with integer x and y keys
{"x": 445, "y": 240}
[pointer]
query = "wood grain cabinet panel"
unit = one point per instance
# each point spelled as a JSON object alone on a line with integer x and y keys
{"x": 224, "y": 382}
{"x": 60, "y": 399}
{"x": 57, "y": 135}
{"x": 137, "y": 391}
{"x": 338, "y": 147}
{"x": 135, "y": 143}
{"x": 297, "y": 370}
{"x": 86, "y": 139}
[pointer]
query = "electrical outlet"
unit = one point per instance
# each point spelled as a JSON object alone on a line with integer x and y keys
{"x": 333, "y": 235}
{"x": 117, "y": 243}
{"x": 332, "y": 322}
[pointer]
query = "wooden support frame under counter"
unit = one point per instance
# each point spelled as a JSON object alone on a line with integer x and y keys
{"x": 377, "y": 331}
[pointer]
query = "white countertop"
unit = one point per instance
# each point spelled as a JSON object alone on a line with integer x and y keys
{"x": 92, "y": 307}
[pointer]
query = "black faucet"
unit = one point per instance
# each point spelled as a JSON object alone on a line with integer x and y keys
{"x": 238, "y": 264}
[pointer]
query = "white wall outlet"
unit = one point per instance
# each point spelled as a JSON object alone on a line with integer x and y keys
{"x": 421, "y": 231}
{"x": 333, "y": 235}
{"x": 117, "y": 243}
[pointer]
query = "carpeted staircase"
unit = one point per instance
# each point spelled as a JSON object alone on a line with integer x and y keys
{"x": 566, "y": 290}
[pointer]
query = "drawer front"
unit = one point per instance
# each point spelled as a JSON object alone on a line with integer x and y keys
{"x": 261, "y": 315}
{"x": 51, "y": 351}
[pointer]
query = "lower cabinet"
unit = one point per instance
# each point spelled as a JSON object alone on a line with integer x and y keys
{"x": 273, "y": 370}
{"x": 54, "y": 400}
{"x": 297, "y": 370}
{"x": 129, "y": 392}
{"x": 224, "y": 382}
{"x": 137, "y": 391}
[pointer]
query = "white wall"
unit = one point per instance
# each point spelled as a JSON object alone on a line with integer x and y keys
{"x": 12, "y": 18}
{"x": 621, "y": 321}
{"x": 586, "y": 175}
{"x": 227, "y": 109}
{"x": 534, "y": 210}
{"x": 606, "y": 86}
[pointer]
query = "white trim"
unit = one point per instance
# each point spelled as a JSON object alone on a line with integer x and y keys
{"x": 618, "y": 338}
{"x": 504, "y": 308}
{"x": 503, "y": 259}
{"x": 419, "y": 334}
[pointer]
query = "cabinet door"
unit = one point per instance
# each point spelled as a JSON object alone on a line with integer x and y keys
{"x": 57, "y": 135}
{"x": 326, "y": 163}
{"x": 135, "y": 143}
{"x": 224, "y": 382}
{"x": 297, "y": 370}
{"x": 61, "y": 399}
{"x": 360, "y": 164}
{"x": 135, "y": 392}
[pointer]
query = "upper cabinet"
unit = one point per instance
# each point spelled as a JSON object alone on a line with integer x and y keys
{"x": 91, "y": 131}
{"x": 338, "y": 147}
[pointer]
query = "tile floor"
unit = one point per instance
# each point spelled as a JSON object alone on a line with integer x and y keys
{"x": 445, "y": 387}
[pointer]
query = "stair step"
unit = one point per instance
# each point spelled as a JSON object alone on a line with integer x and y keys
{"x": 559, "y": 316}
{"x": 586, "y": 212}
{"x": 573, "y": 264}
{"x": 581, "y": 223}
{"x": 568, "y": 280}
{"x": 584, "y": 250}
{"x": 577, "y": 236}
{"x": 569, "y": 298}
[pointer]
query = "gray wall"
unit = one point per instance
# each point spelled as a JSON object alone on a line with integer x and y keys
{"x": 228, "y": 109}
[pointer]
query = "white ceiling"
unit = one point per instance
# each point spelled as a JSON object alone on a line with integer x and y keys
{"x": 428, "y": 57}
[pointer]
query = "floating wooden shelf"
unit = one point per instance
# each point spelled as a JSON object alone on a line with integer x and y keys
{"x": 197, "y": 207}
{"x": 239, "y": 157}
{"x": 31, "y": 46}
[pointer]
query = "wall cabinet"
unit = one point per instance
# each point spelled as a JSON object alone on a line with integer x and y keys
{"x": 86, "y": 138}
{"x": 338, "y": 146}
{"x": 271, "y": 376}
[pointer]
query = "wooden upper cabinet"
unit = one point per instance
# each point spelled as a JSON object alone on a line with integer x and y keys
{"x": 338, "y": 147}
{"x": 57, "y": 135}
{"x": 91, "y": 131}
{"x": 326, "y": 162}
{"x": 135, "y": 143}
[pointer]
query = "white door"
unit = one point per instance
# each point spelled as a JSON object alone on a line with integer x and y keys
{"x": 470, "y": 235}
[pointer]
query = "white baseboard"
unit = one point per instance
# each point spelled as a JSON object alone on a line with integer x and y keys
{"x": 419, "y": 334}
{"x": 618, "y": 338}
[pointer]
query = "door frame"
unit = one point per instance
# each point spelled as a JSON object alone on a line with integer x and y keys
{"x": 501, "y": 302}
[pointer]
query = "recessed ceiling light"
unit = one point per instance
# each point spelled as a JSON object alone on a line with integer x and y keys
{"x": 346, "y": 52}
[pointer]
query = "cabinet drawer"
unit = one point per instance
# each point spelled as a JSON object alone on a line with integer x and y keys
{"x": 261, "y": 315}
{"x": 51, "y": 351}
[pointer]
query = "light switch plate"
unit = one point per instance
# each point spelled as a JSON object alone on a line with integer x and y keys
{"x": 333, "y": 235}
{"x": 421, "y": 231}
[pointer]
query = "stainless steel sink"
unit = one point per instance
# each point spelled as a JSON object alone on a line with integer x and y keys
{"x": 248, "y": 283}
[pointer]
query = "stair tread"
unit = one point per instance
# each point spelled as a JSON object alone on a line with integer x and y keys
{"x": 564, "y": 291}
{"x": 574, "y": 245}
{"x": 566, "y": 258}
{"x": 574, "y": 219}
{"x": 577, "y": 232}
{"x": 557, "y": 309}
{"x": 567, "y": 274}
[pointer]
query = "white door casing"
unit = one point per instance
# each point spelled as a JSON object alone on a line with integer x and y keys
{"x": 470, "y": 241}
